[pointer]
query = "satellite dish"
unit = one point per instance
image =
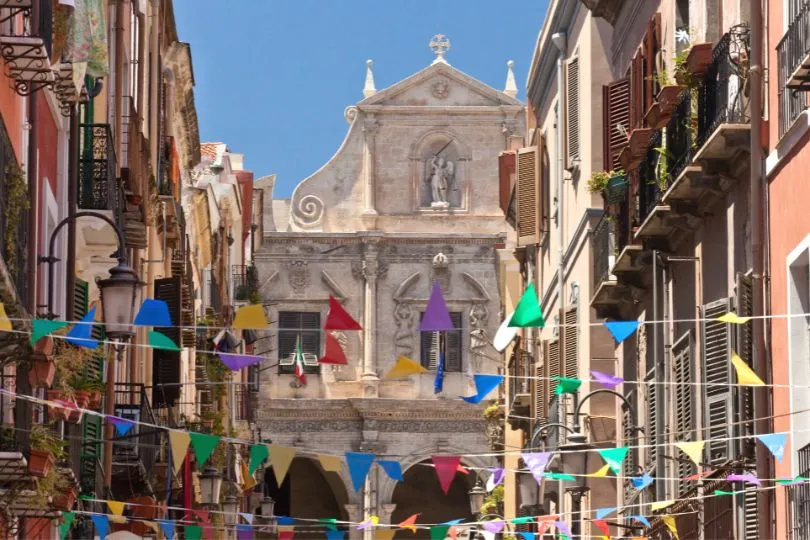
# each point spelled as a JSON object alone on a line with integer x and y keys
{"x": 504, "y": 335}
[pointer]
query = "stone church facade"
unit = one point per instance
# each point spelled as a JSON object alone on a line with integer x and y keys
{"x": 410, "y": 198}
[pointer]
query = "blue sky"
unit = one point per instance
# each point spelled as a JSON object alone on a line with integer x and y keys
{"x": 274, "y": 76}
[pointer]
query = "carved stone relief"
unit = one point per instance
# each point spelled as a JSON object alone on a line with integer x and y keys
{"x": 440, "y": 271}
{"x": 307, "y": 212}
{"x": 440, "y": 89}
{"x": 403, "y": 336}
{"x": 298, "y": 275}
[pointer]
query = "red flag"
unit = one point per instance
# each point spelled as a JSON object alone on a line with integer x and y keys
{"x": 286, "y": 535}
{"x": 333, "y": 353}
{"x": 543, "y": 523}
{"x": 446, "y": 468}
{"x": 338, "y": 318}
{"x": 409, "y": 523}
{"x": 462, "y": 469}
{"x": 603, "y": 526}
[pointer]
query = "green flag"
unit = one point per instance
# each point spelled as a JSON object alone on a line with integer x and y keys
{"x": 614, "y": 457}
{"x": 439, "y": 532}
{"x": 42, "y": 327}
{"x": 331, "y": 523}
{"x": 203, "y": 445}
{"x": 566, "y": 385}
{"x": 528, "y": 313}
{"x": 258, "y": 453}
{"x": 162, "y": 341}
{"x": 722, "y": 492}
{"x": 67, "y": 522}
{"x": 193, "y": 532}
{"x": 559, "y": 476}
{"x": 523, "y": 520}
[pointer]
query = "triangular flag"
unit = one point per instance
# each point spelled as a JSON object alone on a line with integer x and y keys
{"x": 494, "y": 526}
{"x": 495, "y": 479}
{"x": 567, "y": 385}
{"x": 608, "y": 381}
{"x": 404, "y": 367}
{"x": 118, "y": 520}
{"x": 335, "y": 535}
{"x": 160, "y": 341}
{"x": 167, "y": 526}
{"x": 116, "y": 507}
{"x": 392, "y": 468}
{"x": 372, "y": 521}
{"x": 331, "y": 463}
{"x": 614, "y": 457}
{"x": 439, "y": 532}
{"x": 528, "y": 313}
{"x": 602, "y": 525}
{"x": 338, "y": 318}
{"x": 621, "y": 330}
{"x": 601, "y": 473}
{"x": 747, "y": 477}
{"x": 122, "y": 425}
{"x": 732, "y": 318}
{"x": 660, "y": 505}
{"x": 527, "y": 535}
{"x": 522, "y": 520}
{"x": 153, "y": 313}
{"x": 536, "y": 462}
{"x": 81, "y": 335}
{"x": 247, "y": 517}
{"x": 5, "y": 323}
{"x": 462, "y": 469}
{"x": 562, "y": 527}
{"x": 250, "y": 317}
{"x": 745, "y": 375}
{"x": 384, "y": 534}
{"x": 42, "y": 327}
{"x": 436, "y": 317}
{"x": 286, "y": 533}
{"x": 720, "y": 492}
{"x": 560, "y": 476}
{"x": 641, "y": 482}
{"x": 692, "y": 449}
{"x": 280, "y": 458}
{"x": 331, "y": 523}
{"x": 258, "y": 454}
{"x": 484, "y": 384}
{"x": 285, "y": 520}
{"x": 203, "y": 445}
{"x": 333, "y": 352}
{"x": 775, "y": 443}
{"x": 409, "y": 523}
{"x": 179, "y": 441}
{"x": 244, "y": 532}
{"x": 359, "y": 464}
{"x": 602, "y": 513}
{"x": 446, "y": 468}
{"x": 67, "y": 523}
{"x": 193, "y": 532}
{"x": 102, "y": 525}
{"x": 669, "y": 521}
{"x": 641, "y": 519}
{"x": 235, "y": 362}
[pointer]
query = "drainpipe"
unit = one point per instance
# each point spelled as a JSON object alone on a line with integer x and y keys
{"x": 118, "y": 94}
{"x": 658, "y": 366}
{"x": 72, "y": 195}
{"x": 33, "y": 206}
{"x": 761, "y": 394}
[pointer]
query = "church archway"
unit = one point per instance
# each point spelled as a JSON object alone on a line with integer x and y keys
{"x": 308, "y": 492}
{"x": 420, "y": 492}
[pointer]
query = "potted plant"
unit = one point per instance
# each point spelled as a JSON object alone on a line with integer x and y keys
{"x": 46, "y": 449}
{"x": 65, "y": 498}
{"x": 96, "y": 389}
{"x": 43, "y": 370}
{"x": 83, "y": 388}
{"x": 58, "y": 413}
{"x": 662, "y": 174}
{"x": 612, "y": 184}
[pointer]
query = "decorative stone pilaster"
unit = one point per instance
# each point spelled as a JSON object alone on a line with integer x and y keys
{"x": 386, "y": 511}
{"x": 355, "y": 512}
{"x": 369, "y": 177}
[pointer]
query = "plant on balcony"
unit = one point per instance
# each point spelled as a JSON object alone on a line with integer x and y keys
{"x": 662, "y": 175}
{"x": 612, "y": 184}
{"x": 42, "y": 371}
{"x": 46, "y": 450}
{"x": 493, "y": 502}
{"x": 493, "y": 415}
{"x": 87, "y": 389}
{"x": 16, "y": 205}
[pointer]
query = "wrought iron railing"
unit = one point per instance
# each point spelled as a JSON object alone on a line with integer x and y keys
{"x": 723, "y": 96}
{"x": 141, "y": 443}
{"x": 800, "y": 499}
{"x": 14, "y": 237}
{"x": 44, "y": 12}
{"x": 680, "y": 136}
{"x": 652, "y": 176}
{"x": 791, "y": 52}
{"x": 603, "y": 250}
{"x": 99, "y": 189}
{"x": 245, "y": 281}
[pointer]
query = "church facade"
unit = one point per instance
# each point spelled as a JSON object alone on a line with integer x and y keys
{"x": 409, "y": 199}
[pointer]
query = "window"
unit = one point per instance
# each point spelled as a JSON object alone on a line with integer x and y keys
{"x": 452, "y": 346}
{"x": 572, "y": 99}
{"x": 800, "y": 499}
{"x": 292, "y": 327}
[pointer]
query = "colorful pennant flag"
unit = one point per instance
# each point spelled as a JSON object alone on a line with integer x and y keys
{"x": 747, "y": 477}
{"x": 528, "y": 313}
{"x": 369, "y": 523}
{"x": 335, "y": 535}
{"x": 603, "y": 526}
{"x": 258, "y": 454}
{"x": 331, "y": 463}
{"x": 775, "y": 443}
{"x": 641, "y": 482}
{"x": 669, "y": 521}
{"x": 409, "y": 523}
{"x": 601, "y": 473}
{"x": 527, "y": 535}
{"x": 338, "y": 318}
{"x": 247, "y": 517}
{"x": 522, "y": 520}
{"x": 235, "y": 362}
{"x": 67, "y": 523}
{"x": 160, "y": 341}
{"x": 745, "y": 375}
{"x": 245, "y": 532}
{"x": 203, "y": 445}
{"x": 331, "y": 523}
{"x": 439, "y": 532}
{"x": 436, "y": 317}
{"x": 178, "y": 441}
{"x": 404, "y": 367}
{"x": 563, "y": 528}
{"x": 621, "y": 330}
{"x": 102, "y": 525}
{"x": 116, "y": 507}
{"x": 732, "y": 318}
{"x": 484, "y": 384}
{"x": 494, "y": 526}
{"x": 153, "y": 313}
{"x": 43, "y": 327}
{"x": 438, "y": 380}
{"x": 299, "y": 362}
{"x": 560, "y": 476}
{"x": 608, "y": 381}
{"x": 167, "y": 526}
{"x": 122, "y": 425}
{"x": 193, "y": 532}
{"x": 721, "y": 492}
{"x": 602, "y": 513}
{"x": 81, "y": 335}
{"x": 333, "y": 352}
{"x": 285, "y": 520}
{"x": 536, "y": 462}
{"x": 359, "y": 464}
{"x": 660, "y": 505}
{"x": 250, "y": 317}
{"x": 566, "y": 385}
{"x": 280, "y": 459}
{"x": 384, "y": 534}
{"x": 641, "y": 519}
{"x": 446, "y": 468}
{"x": 693, "y": 449}
{"x": 614, "y": 457}
{"x": 495, "y": 479}
{"x": 5, "y": 322}
{"x": 392, "y": 468}
{"x": 286, "y": 533}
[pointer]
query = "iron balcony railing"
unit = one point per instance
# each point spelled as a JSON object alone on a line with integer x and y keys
{"x": 141, "y": 443}
{"x": 723, "y": 96}
{"x": 800, "y": 499}
{"x": 245, "y": 281}
{"x": 653, "y": 177}
{"x": 14, "y": 237}
{"x": 99, "y": 188}
{"x": 791, "y": 52}
{"x": 680, "y": 137}
{"x": 603, "y": 250}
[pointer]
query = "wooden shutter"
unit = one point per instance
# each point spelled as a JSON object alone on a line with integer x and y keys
{"x": 540, "y": 388}
{"x": 310, "y": 332}
{"x": 717, "y": 397}
{"x": 616, "y": 111}
{"x": 571, "y": 344}
{"x": 527, "y": 196}
{"x": 90, "y": 451}
{"x": 452, "y": 345}
{"x": 637, "y": 91}
{"x": 651, "y": 429}
{"x": 651, "y": 45}
{"x": 630, "y": 438}
{"x": 572, "y": 112}
{"x": 166, "y": 364}
{"x": 506, "y": 178}
{"x": 744, "y": 345}
{"x": 684, "y": 404}
{"x": 554, "y": 362}
{"x": 544, "y": 186}
{"x": 749, "y": 505}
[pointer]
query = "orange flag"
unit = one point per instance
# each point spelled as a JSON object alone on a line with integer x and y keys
{"x": 410, "y": 522}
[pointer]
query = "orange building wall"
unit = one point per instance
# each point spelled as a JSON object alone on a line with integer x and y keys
{"x": 11, "y": 109}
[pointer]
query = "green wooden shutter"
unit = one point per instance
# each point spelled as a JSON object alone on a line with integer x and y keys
{"x": 630, "y": 438}
{"x": 651, "y": 429}
{"x": 166, "y": 364}
{"x": 717, "y": 396}
{"x": 744, "y": 345}
{"x": 684, "y": 405}
{"x": 91, "y": 451}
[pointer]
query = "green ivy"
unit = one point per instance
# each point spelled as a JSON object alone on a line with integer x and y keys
{"x": 16, "y": 204}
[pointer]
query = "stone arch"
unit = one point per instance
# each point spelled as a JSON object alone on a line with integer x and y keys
{"x": 455, "y": 149}
{"x": 308, "y": 491}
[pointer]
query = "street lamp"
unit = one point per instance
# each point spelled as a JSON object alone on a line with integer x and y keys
{"x": 118, "y": 294}
{"x": 210, "y": 486}
{"x": 268, "y": 505}
{"x": 477, "y": 494}
{"x": 230, "y": 507}
{"x": 574, "y": 457}
{"x": 528, "y": 489}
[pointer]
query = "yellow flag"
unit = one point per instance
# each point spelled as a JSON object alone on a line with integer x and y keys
{"x": 745, "y": 375}
{"x": 601, "y": 473}
{"x": 692, "y": 449}
{"x": 331, "y": 463}
{"x": 286, "y": 528}
{"x": 384, "y": 534}
{"x": 5, "y": 323}
{"x": 248, "y": 481}
{"x": 669, "y": 521}
{"x": 661, "y": 505}
{"x": 404, "y": 368}
{"x": 118, "y": 520}
{"x": 149, "y": 524}
{"x": 280, "y": 458}
{"x": 733, "y": 318}
{"x": 179, "y": 443}
{"x": 116, "y": 507}
{"x": 252, "y": 317}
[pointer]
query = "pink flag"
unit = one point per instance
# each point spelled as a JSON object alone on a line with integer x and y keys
{"x": 446, "y": 467}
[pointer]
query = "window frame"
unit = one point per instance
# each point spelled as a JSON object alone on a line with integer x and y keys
{"x": 456, "y": 317}
{"x": 299, "y": 330}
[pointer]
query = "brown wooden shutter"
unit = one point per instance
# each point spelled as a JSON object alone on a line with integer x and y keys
{"x": 744, "y": 345}
{"x": 651, "y": 429}
{"x": 527, "y": 196}
{"x": 684, "y": 405}
{"x": 453, "y": 345}
{"x": 571, "y": 344}
{"x": 651, "y": 45}
{"x": 544, "y": 188}
{"x": 572, "y": 112}
{"x": 540, "y": 387}
{"x": 554, "y": 363}
{"x": 637, "y": 91}
{"x": 506, "y": 179}
{"x": 717, "y": 395}
{"x": 166, "y": 364}
{"x": 616, "y": 111}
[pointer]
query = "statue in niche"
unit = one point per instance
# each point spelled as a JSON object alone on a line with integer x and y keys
{"x": 441, "y": 178}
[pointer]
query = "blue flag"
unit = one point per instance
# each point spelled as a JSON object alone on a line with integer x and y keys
{"x": 484, "y": 384}
{"x": 335, "y": 535}
{"x": 359, "y": 463}
{"x": 438, "y": 382}
{"x": 392, "y": 468}
{"x": 775, "y": 443}
{"x": 81, "y": 335}
{"x": 102, "y": 525}
{"x": 167, "y": 527}
{"x": 621, "y": 330}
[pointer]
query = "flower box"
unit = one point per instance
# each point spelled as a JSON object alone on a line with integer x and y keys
{"x": 616, "y": 190}
{"x": 699, "y": 58}
{"x": 43, "y": 370}
{"x": 82, "y": 398}
{"x": 40, "y": 462}
{"x": 95, "y": 400}
{"x": 65, "y": 500}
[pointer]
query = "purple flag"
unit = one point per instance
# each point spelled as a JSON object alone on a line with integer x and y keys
{"x": 436, "y": 318}
{"x": 244, "y": 532}
{"x": 495, "y": 479}
{"x": 236, "y": 362}
{"x": 748, "y": 477}
{"x": 608, "y": 381}
{"x": 562, "y": 527}
{"x": 536, "y": 462}
{"x": 122, "y": 425}
{"x": 495, "y": 526}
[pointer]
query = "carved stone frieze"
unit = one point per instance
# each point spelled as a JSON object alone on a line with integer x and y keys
{"x": 440, "y": 271}
{"x": 369, "y": 269}
{"x": 404, "y": 334}
{"x": 392, "y": 426}
{"x": 299, "y": 275}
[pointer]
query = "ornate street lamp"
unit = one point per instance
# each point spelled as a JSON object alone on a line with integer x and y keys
{"x": 230, "y": 507}
{"x": 477, "y": 494}
{"x": 118, "y": 296}
{"x": 268, "y": 506}
{"x": 210, "y": 486}
{"x": 574, "y": 456}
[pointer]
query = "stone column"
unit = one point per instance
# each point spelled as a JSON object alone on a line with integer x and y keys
{"x": 369, "y": 177}
{"x": 355, "y": 512}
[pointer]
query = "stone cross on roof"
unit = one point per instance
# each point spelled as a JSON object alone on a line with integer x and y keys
{"x": 439, "y": 45}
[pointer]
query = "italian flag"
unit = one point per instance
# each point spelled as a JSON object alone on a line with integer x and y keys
{"x": 299, "y": 362}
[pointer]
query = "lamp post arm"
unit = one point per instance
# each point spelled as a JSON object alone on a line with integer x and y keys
{"x": 578, "y": 410}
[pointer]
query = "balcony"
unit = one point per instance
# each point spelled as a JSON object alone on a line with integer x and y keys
{"x": 27, "y": 54}
{"x": 134, "y": 454}
{"x": 99, "y": 189}
{"x": 605, "y": 9}
{"x": 793, "y": 54}
{"x": 245, "y": 283}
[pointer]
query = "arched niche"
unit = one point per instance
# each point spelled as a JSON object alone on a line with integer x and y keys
{"x": 308, "y": 492}
{"x": 439, "y": 156}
